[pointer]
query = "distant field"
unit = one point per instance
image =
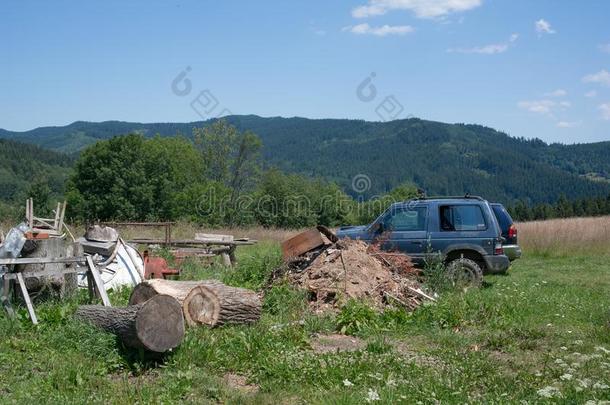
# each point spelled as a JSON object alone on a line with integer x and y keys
{"x": 540, "y": 334}
{"x": 566, "y": 236}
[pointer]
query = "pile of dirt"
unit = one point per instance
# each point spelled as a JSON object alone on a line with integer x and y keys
{"x": 351, "y": 269}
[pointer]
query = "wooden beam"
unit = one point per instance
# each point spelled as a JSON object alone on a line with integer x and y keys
{"x": 42, "y": 273}
{"x": 42, "y": 260}
{"x": 26, "y": 297}
{"x": 192, "y": 242}
{"x": 99, "y": 283}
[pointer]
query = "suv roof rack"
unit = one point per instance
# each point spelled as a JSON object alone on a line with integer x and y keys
{"x": 451, "y": 197}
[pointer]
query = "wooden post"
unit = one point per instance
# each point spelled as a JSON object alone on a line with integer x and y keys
{"x": 99, "y": 283}
{"x": 232, "y": 255}
{"x": 26, "y": 297}
{"x": 226, "y": 259}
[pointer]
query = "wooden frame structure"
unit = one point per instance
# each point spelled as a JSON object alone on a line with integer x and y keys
{"x": 94, "y": 280}
{"x": 51, "y": 226}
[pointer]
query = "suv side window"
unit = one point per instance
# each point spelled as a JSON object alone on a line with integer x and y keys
{"x": 408, "y": 219}
{"x": 462, "y": 218}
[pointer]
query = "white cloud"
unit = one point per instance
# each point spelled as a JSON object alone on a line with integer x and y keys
{"x": 382, "y": 31}
{"x": 544, "y": 106}
{"x": 601, "y": 77}
{"x": 556, "y": 93}
{"x": 591, "y": 94}
{"x": 421, "y": 8}
{"x": 604, "y": 48}
{"x": 544, "y": 27}
{"x": 487, "y": 49}
{"x": 568, "y": 124}
{"x": 537, "y": 106}
{"x": 605, "y": 110}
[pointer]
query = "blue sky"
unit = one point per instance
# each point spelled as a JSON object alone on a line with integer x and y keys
{"x": 529, "y": 68}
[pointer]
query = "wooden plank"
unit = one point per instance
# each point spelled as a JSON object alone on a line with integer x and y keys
{"x": 26, "y": 297}
{"x": 42, "y": 273}
{"x": 57, "y": 214}
{"x": 213, "y": 237}
{"x": 42, "y": 260}
{"x": 182, "y": 242}
{"x": 99, "y": 284}
{"x": 151, "y": 224}
{"x": 62, "y": 216}
{"x": 302, "y": 243}
{"x": 29, "y": 212}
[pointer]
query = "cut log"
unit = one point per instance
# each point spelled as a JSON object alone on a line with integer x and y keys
{"x": 177, "y": 289}
{"x": 156, "y": 325}
{"x": 206, "y": 302}
{"x": 218, "y": 304}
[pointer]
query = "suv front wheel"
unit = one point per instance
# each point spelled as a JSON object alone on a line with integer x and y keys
{"x": 465, "y": 273}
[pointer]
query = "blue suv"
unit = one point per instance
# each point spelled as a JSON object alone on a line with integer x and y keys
{"x": 462, "y": 231}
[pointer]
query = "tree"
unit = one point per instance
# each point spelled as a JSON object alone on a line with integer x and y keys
{"x": 293, "y": 201}
{"x": 129, "y": 177}
{"x": 40, "y": 192}
{"x": 230, "y": 157}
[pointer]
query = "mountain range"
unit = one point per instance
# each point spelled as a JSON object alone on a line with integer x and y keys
{"x": 370, "y": 158}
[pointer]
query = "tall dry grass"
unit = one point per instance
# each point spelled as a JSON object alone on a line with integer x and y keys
{"x": 185, "y": 230}
{"x": 565, "y": 236}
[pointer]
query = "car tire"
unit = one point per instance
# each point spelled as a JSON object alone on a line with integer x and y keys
{"x": 465, "y": 273}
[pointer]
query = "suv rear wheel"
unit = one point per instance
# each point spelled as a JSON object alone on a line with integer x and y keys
{"x": 465, "y": 273}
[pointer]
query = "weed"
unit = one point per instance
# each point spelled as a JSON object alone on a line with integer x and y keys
{"x": 356, "y": 317}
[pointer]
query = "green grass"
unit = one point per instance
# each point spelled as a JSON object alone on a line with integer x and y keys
{"x": 519, "y": 334}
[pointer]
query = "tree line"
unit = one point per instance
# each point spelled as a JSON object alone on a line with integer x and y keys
{"x": 563, "y": 208}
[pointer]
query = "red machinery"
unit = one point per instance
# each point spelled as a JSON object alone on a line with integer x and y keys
{"x": 157, "y": 267}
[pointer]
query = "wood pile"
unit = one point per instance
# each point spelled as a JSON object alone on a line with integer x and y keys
{"x": 159, "y": 309}
{"x": 335, "y": 272}
{"x": 207, "y": 302}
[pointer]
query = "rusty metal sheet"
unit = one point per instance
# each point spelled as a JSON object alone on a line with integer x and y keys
{"x": 302, "y": 243}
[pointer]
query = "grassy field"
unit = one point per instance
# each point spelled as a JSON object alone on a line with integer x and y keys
{"x": 539, "y": 334}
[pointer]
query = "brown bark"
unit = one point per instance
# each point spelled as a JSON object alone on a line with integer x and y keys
{"x": 218, "y": 304}
{"x": 156, "y": 325}
{"x": 206, "y": 302}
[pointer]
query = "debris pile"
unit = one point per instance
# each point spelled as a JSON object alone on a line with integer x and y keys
{"x": 352, "y": 269}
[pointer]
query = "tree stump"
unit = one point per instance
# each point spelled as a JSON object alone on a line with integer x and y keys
{"x": 55, "y": 285}
{"x": 156, "y": 325}
{"x": 206, "y": 302}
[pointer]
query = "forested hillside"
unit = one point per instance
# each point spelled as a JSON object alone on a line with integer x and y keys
{"x": 24, "y": 166}
{"x": 441, "y": 158}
